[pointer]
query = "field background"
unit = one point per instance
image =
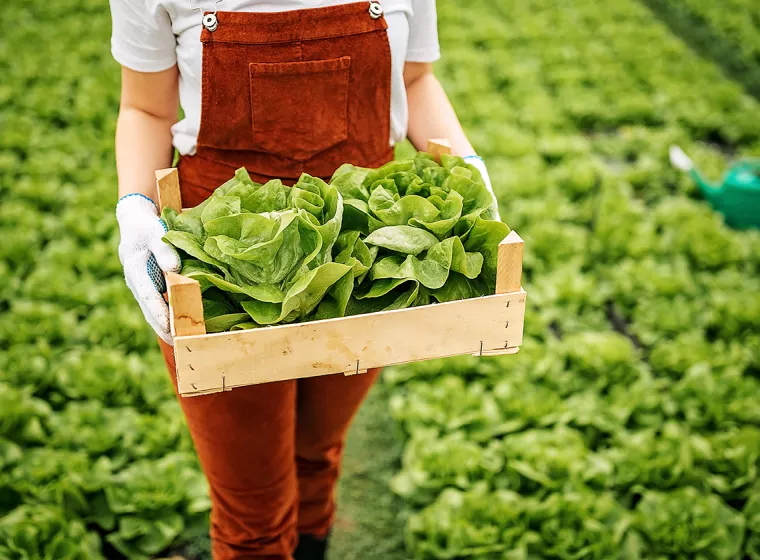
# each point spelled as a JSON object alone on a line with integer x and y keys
{"x": 627, "y": 427}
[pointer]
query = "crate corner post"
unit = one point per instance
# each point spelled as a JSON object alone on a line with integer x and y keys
{"x": 509, "y": 290}
{"x": 510, "y": 263}
{"x": 185, "y": 306}
{"x": 167, "y": 186}
{"x": 438, "y": 146}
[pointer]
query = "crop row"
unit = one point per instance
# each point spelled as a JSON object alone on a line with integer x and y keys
{"x": 737, "y": 21}
{"x": 630, "y": 414}
{"x": 625, "y": 428}
{"x": 94, "y": 454}
{"x": 725, "y": 32}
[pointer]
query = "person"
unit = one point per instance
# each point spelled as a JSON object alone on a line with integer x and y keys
{"x": 280, "y": 87}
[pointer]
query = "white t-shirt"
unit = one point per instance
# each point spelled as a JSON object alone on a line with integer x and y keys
{"x": 153, "y": 35}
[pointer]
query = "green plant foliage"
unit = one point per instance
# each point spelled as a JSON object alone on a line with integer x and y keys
{"x": 503, "y": 524}
{"x": 626, "y": 427}
{"x": 88, "y": 416}
{"x": 408, "y": 233}
{"x": 30, "y": 532}
{"x": 686, "y": 523}
{"x": 734, "y": 25}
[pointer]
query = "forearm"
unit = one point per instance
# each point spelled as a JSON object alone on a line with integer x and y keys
{"x": 431, "y": 115}
{"x": 143, "y": 144}
{"x": 149, "y": 108}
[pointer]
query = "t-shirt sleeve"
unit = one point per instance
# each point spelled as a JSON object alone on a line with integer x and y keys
{"x": 423, "y": 33}
{"x": 142, "y": 38}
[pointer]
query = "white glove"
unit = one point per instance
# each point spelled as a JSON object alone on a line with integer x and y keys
{"x": 478, "y": 163}
{"x": 144, "y": 256}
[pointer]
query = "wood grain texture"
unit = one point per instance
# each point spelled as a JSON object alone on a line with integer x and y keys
{"x": 185, "y": 306}
{"x": 438, "y": 146}
{"x": 509, "y": 267}
{"x": 482, "y": 326}
{"x": 167, "y": 184}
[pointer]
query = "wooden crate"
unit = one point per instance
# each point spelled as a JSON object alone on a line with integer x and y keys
{"x": 210, "y": 363}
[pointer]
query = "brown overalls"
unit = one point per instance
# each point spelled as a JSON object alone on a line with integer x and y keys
{"x": 283, "y": 93}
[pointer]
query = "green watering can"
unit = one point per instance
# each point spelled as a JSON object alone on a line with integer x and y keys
{"x": 737, "y": 197}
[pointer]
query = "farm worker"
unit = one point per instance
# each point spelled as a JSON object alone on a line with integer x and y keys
{"x": 280, "y": 87}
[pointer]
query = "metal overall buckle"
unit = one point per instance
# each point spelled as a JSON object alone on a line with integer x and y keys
{"x": 209, "y": 21}
{"x": 375, "y": 9}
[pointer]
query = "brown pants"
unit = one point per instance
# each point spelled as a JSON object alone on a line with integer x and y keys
{"x": 272, "y": 455}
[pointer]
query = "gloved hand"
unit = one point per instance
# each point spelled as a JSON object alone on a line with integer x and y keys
{"x": 478, "y": 163}
{"x": 144, "y": 256}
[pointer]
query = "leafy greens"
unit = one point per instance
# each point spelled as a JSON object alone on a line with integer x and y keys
{"x": 411, "y": 232}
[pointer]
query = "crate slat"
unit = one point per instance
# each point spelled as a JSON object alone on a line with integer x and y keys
{"x": 485, "y": 326}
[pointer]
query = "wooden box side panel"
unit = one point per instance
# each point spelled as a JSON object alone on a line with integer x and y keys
{"x": 484, "y": 326}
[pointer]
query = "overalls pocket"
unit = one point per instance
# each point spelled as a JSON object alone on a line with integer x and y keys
{"x": 299, "y": 109}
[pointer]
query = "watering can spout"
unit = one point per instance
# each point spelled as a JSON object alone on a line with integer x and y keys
{"x": 681, "y": 161}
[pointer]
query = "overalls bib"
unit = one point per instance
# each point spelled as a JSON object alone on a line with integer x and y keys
{"x": 282, "y": 93}
{"x": 291, "y": 92}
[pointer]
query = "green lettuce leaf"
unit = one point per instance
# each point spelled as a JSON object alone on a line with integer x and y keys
{"x": 411, "y": 232}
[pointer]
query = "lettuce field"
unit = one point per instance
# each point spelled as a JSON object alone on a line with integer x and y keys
{"x": 628, "y": 427}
